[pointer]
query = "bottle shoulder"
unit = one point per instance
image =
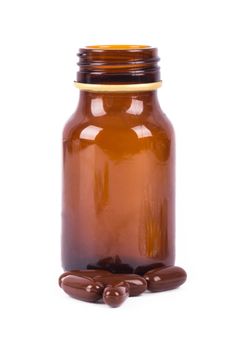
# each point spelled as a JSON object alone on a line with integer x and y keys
{"x": 121, "y": 136}
{"x": 119, "y": 123}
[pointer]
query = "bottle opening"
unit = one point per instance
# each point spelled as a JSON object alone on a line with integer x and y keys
{"x": 118, "y": 47}
{"x": 118, "y": 64}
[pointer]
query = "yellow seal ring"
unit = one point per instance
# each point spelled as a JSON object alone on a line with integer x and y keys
{"x": 120, "y": 87}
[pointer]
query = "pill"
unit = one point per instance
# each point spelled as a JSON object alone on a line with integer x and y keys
{"x": 141, "y": 270}
{"x": 114, "y": 296}
{"x": 87, "y": 273}
{"x": 162, "y": 279}
{"x": 82, "y": 288}
{"x": 137, "y": 284}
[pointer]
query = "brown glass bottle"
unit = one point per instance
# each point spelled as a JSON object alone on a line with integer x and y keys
{"x": 118, "y": 165}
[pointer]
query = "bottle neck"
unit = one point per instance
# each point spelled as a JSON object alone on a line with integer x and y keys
{"x": 118, "y": 64}
{"x": 96, "y": 104}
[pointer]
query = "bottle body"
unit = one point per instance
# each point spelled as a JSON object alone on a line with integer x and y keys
{"x": 118, "y": 184}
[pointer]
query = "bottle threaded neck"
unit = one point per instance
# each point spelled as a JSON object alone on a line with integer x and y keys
{"x": 118, "y": 64}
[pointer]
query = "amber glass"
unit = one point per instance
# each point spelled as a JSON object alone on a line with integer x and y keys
{"x": 118, "y": 183}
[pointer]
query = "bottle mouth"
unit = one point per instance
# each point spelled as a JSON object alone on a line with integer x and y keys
{"x": 118, "y": 64}
{"x": 118, "y": 47}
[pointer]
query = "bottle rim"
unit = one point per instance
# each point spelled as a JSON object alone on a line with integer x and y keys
{"x": 118, "y": 47}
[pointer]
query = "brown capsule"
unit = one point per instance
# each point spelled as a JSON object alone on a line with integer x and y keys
{"x": 82, "y": 288}
{"x": 165, "y": 278}
{"x": 137, "y": 284}
{"x": 87, "y": 273}
{"x": 114, "y": 296}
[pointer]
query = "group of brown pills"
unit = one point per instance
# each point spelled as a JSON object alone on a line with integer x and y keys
{"x": 114, "y": 289}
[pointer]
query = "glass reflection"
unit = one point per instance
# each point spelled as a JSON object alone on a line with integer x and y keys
{"x": 90, "y": 132}
{"x": 136, "y": 107}
{"x": 97, "y": 107}
{"x": 142, "y": 131}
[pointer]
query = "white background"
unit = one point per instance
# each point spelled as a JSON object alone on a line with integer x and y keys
{"x": 38, "y": 45}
